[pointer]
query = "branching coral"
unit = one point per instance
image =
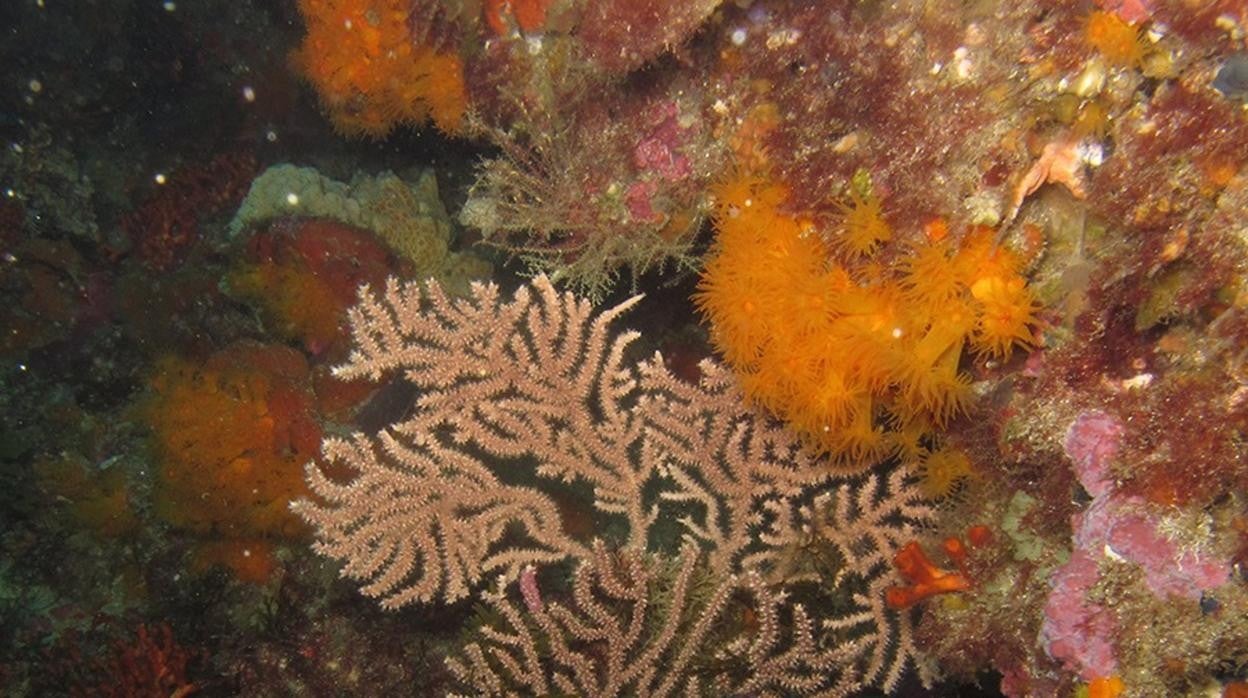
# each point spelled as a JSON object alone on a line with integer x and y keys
{"x": 638, "y": 626}
{"x": 536, "y": 389}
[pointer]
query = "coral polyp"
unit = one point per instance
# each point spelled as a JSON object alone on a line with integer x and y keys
{"x": 863, "y": 227}
{"x": 1119, "y": 42}
{"x": 845, "y": 353}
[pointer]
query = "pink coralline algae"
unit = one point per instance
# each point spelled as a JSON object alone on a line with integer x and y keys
{"x": 1131, "y": 11}
{"x": 639, "y": 200}
{"x": 658, "y": 159}
{"x": 1092, "y": 443}
{"x": 658, "y": 151}
{"x": 1123, "y": 523}
{"x": 1079, "y": 631}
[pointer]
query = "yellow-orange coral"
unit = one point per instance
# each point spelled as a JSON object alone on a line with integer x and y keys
{"x": 858, "y": 361}
{"x": 1116, "y": 40}
{"x": 942, "y": 470}
{"x": 232, "y": 435}
{"x": 863, "y": 227}
{"x": 1006, "y": 311}
{"x": 360, "y": 56}
{"x": 748, "y": 140}
{"x": 1106, "y": 687}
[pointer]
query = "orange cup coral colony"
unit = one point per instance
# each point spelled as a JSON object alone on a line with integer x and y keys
{"x": 371, "y": 76}
{"x": 860, "y": 358}
{"x": 1119, "y": 42}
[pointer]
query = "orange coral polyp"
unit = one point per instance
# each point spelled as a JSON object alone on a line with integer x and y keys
{"x": 1007, "y": 310}
{"x": 928, "y": 276}
{"x": 940, "y": 473}
{"x": 1115, "y": 39}
{"x": 943, "y": 339}
{"x": 863, "y": 228}
{"x": 861, "y": 439}
{"x": 736, "y": 194}
{"x": 1113, "y": 686}
{"x": 979, "y": 256}
{"x": 834, "y": 398}
{"x": 850, "y": 356}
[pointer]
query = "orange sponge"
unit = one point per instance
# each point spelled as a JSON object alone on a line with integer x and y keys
{"x": 360, "y": 56}
{"x": 232, "y": 434}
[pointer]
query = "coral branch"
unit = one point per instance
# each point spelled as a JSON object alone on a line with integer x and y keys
{"x": 637, "y": 625}
{"x": 535, "y": 390}
{"x": 442, "y": 525}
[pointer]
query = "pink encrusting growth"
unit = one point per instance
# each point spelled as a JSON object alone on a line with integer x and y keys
{"x": 659, "y": 150}
{"x": 1079, "y": 630}
{"x": 1092, "y": 444}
